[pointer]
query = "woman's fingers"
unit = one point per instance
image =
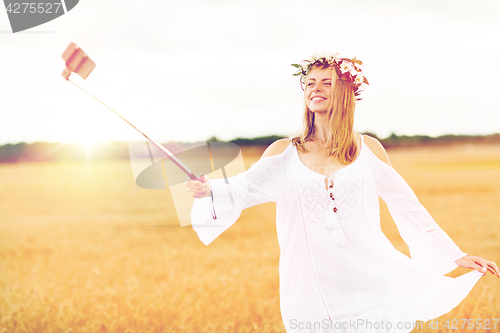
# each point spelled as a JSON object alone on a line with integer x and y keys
{"x": 196, "y": 185}
{"x": 482, "y": 265}
{"x": 199, "y": 193}
{"x": 477, "y": 267}
{"x": 493, "y": 268}
{"x": 473, "y": 262}
{"x": 199, "y": 188}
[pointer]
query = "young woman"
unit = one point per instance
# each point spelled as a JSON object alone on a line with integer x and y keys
{"x": 338, "y": 271}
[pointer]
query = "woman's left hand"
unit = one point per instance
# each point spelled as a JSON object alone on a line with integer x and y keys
{"x": 479, "y": 264}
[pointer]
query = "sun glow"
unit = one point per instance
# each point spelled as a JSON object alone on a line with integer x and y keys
{"x": 87, "y": 130}
{"x": 87, "y": 142}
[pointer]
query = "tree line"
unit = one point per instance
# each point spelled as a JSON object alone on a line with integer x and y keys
{"x": 45, "y": 151}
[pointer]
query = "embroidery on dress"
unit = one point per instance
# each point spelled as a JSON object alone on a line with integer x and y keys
{"x": 313, "y": 193}
{"x": 347, "y": 191}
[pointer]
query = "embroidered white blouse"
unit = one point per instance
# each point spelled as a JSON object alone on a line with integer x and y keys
{"x": 338, "y": 271}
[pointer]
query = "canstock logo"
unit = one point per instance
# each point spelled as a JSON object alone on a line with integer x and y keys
{"x": 27, "y": 14}
{"x": 217, "y": 160}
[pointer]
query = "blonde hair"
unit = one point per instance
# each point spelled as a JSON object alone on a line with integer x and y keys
{"x": 341, "y": 143}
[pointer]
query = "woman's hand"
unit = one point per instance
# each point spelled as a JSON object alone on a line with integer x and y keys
{"x": 199, "y": 189}
{"x": 479, "y": 264}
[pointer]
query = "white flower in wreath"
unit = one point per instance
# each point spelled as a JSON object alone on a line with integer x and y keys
{"x": 346, "y": 66}
{"x": 359, "y": 79}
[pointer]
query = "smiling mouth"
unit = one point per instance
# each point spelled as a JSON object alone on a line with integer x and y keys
{"x": 318, "y": 99}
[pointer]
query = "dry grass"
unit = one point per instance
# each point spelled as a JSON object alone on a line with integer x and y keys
{"x": 85, "y": 250}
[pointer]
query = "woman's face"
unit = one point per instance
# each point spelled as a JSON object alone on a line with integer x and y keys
{"x": 318, "y": 91}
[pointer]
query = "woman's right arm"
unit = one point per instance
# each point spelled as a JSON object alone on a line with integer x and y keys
{"x": 202, "y": 188}
{"x": 228, "y": 197}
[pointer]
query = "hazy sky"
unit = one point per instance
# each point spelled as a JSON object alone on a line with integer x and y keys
{"x": 188, "y": 70}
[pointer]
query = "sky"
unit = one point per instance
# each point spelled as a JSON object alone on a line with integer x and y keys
{"x": 189, "y": 70}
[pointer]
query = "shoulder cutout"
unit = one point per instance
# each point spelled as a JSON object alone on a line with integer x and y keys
{"x": 377, "y": 149}
{"x": 277, "y": 147}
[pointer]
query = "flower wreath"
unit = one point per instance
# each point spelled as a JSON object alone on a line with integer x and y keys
{"x": 348, "y": 70}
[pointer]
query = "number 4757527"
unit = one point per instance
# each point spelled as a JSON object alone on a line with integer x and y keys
{"x": 33, "y": 7}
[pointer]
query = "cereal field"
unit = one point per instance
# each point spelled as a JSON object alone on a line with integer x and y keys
{"x": 83, "y": 249}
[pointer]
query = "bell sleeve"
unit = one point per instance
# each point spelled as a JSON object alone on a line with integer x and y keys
{"x": 230, "y": 196}
{"x": 429, "y": 245}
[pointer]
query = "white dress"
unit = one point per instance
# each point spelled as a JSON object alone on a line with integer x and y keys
{"x": 338, "y": 271}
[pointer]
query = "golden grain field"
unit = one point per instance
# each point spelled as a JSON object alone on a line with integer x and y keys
{"x": 83, "y": 249}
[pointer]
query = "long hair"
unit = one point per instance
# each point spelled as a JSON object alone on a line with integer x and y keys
{"x": 340, "y": 143}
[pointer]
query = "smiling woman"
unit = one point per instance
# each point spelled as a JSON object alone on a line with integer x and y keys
{"x": 336, "y": 265}
{"x": 333, "y": 106}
